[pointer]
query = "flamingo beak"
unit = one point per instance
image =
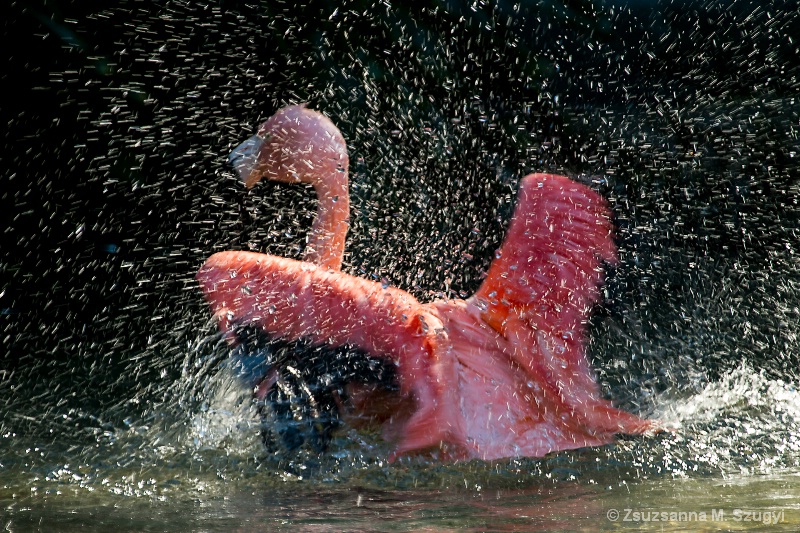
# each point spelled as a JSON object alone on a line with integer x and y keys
{"x": 244, "y": 160}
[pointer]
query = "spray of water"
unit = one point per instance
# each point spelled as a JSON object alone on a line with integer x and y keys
{"x": 684, "y": 115}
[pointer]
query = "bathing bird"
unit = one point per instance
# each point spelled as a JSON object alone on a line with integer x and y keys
{"x": 503, "y": 373}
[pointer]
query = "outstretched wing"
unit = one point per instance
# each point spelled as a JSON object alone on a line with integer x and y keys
{"x": 294, "y": 300}
{"x": 550, "y": 264}
{"x": 541, "y": 288}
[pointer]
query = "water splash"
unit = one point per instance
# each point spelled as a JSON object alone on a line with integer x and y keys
{"x": 744, "y": 423}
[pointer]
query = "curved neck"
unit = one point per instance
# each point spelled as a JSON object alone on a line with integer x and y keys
{"x": 325, "y": 245}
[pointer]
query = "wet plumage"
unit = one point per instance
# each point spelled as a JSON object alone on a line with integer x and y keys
{"x": 500, "y": 374}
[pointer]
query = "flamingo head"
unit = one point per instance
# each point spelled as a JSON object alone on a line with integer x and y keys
{"x": 296, "y": 145}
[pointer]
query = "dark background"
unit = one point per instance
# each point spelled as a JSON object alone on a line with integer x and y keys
{"x": 117, "y": 120}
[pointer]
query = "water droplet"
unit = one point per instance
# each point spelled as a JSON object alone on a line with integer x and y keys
{"x": 422, "y": 324}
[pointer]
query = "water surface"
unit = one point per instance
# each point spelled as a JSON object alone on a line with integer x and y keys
{"x": 731, "y": 464}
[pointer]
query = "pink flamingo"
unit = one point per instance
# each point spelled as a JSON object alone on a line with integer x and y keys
{"x": 500, "y": 374}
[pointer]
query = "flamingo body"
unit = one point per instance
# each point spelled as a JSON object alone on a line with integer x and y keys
{"x": 501, "y": 374}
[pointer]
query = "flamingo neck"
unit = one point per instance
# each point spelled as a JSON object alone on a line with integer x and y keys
{"x": 326, "y": 241}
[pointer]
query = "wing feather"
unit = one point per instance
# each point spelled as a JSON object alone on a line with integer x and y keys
{"x": 545, "y": 281}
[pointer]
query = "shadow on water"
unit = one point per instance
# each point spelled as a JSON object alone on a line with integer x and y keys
{"x": 117, "y": 408}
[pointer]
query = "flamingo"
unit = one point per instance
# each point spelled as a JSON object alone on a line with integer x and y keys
{"x": 500, "y": 374}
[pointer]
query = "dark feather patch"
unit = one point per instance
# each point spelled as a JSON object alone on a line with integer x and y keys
{"x": 301, "y": 407}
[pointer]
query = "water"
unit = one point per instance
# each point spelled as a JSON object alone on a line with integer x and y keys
{"x": 732, "y": 463}
{"x": 545, "y": 507}
{"x": 115, "y": 412}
